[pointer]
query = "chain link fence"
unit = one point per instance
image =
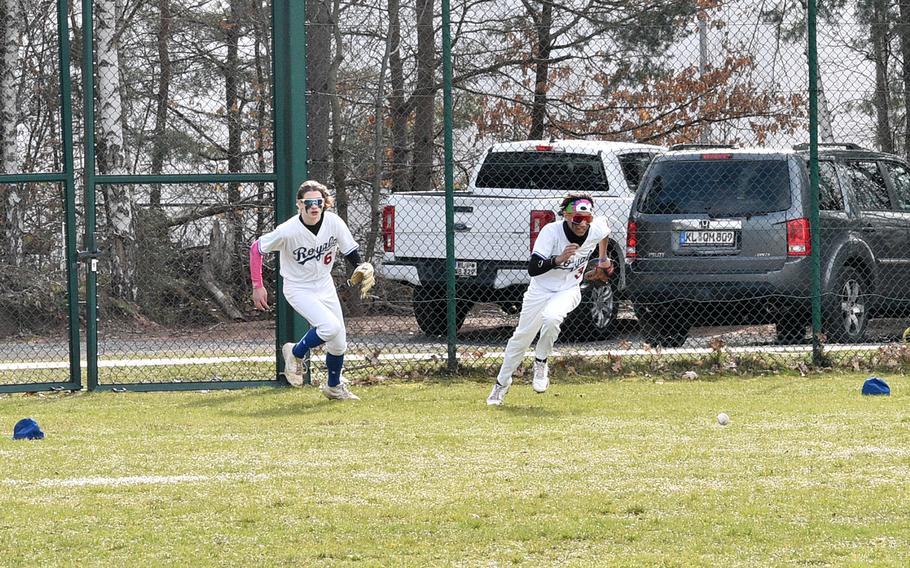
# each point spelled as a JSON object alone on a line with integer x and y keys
{"x": 687, "y": 123}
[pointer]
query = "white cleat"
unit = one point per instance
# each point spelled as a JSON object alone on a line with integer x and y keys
{"x": 497, "y": 394}
{"x": 541, "y": 377}
{"x": 292, "y": 366}
{"x": 341, "y": 392}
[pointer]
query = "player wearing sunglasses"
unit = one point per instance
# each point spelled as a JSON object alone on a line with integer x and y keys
{"x": 557, "y": 265}
{"x": 308, "y": 244}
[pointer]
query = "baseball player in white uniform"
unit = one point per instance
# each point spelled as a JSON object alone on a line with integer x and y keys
{"x": 561, "y": 253}
{"x": 308, "y": 245}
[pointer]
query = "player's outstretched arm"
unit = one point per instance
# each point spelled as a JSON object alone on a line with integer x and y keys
{"x": 260, "y": 295}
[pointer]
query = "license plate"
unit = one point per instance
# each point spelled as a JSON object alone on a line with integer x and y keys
{"x": 707, "y": 238}
{"x": 465, "y": 268}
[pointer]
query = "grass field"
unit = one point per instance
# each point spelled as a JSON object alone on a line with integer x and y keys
{"x": 629, "y": 473}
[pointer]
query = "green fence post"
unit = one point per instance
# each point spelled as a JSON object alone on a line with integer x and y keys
{"x": 817, "y": 355}
{"x": 289, "y": 18}
{"x": 89, "y": 245}
{"x": 69, "y": 185}
{"x": 449, "y": 184}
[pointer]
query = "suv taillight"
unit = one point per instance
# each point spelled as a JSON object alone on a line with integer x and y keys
{"x": 539, "y": 218}
{"x": 631, "y": 239}
{"x": 388, "y": 228}
{"x": 799, "y": 241}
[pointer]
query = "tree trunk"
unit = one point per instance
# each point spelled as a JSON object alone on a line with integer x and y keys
{"x": 425, "y": 98}
{"x": 398, "y": 107}
{"x": 263, "y": 62}
{"x": 234, "y": 124}
{"x": 542, "y": 64}
{"x": 215, "y": 270}
{"x": 904, "y": 35}
{"x": 12, "y": 206}
{"x": 339, "y": 165}
{"x": 881, "y": 53}
{"x": 111, "y": 155}
{"x": 159, "y": 150}
{"x": 376, "y": 190}
{"x": 318, "y": 51}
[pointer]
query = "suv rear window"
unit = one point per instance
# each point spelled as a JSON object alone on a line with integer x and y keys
{"x": 633, "y": 167}
{"x": 731, "y": 188}
{"x": 543, "y": 170}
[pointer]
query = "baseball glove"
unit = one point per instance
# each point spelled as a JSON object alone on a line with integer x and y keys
{"x": 600, "y": 274}
{"x": 363, "y": 276}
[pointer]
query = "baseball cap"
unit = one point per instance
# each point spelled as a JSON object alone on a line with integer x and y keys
{"x": 27, "y": 429}
{"x": 875, "y": 385}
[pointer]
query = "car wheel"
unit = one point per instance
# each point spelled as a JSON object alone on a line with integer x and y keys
{"x": 847, "y": 308}
{"x": 596, "y": 314}
{"x": 429, "y": 304}
{"x": 662, "y": 326}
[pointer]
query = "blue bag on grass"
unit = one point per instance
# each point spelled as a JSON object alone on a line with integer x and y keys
{"x": 27, "y": 429}
{"x": 875, "y": 385}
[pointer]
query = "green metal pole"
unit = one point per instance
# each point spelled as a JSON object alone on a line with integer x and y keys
{"x": 290, "y": 136}
{"x": 449, "y": 184}
{"x": 69, "y": 191}
{"x": 817, "y": 356}
{"x": 91, "y": 273}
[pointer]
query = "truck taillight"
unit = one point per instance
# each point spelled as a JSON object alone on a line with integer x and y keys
{"x": 799, "y": 239}
{"x": 632, "y": 239}
{"x": 539, "y": 218}
{"x": 388, "y": 228}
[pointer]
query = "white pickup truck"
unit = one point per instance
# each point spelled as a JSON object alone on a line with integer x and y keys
{"x": 512, "y": 193}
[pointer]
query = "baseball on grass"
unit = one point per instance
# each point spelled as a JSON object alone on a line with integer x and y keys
{"x": 723, "y": 419}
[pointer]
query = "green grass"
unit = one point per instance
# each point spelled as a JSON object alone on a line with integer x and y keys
{"x": 629, "y": 473}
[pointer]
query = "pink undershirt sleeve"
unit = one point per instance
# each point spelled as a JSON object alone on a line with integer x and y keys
{"x": 256, "y": 265}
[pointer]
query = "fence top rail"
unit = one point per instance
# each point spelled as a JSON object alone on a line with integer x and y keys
{"x": 188, "y": 178}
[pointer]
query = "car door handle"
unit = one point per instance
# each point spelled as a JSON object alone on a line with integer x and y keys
{"x": 868, "y": 229}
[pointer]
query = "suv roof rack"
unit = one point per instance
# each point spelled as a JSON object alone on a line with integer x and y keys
{"x": 844, "y": 145}
{"x": 700, "y": 146}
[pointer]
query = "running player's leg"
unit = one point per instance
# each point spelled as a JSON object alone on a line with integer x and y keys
{"x": 315, "y": 307}
{"x": 529, "y": 322}
{"x": 552, "y": 316}
{"x": 336, "y": 343}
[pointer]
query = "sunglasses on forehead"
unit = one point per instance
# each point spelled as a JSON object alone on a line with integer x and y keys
{"x": 312, "y": 203}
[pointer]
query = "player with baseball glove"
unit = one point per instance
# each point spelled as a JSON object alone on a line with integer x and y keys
{"x": 308, "y": 244}
{"x": 557, "y": 266}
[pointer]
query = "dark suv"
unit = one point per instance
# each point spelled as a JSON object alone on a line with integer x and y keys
{"x": 721, "y": 236}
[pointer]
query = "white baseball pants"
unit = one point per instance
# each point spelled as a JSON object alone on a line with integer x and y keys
{"x": 321, "y": 308}
{"x": 541, "y": 310}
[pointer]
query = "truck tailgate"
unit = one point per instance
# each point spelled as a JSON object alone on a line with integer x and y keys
{"x": 486, "y": 227}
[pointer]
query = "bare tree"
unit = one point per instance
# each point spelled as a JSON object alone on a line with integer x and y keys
{"x": 881, "y": 55}
{"x": 425, "y": 98}
{"x": 11, "y": 17}
{"x": 319, "y": 54}
{"x": 399, "y": 107}
{"x": 339, "y": 167}
{"x": 903, "y": 34}
{"x": 111, "y": 154}
{"x": 160, "y": 148}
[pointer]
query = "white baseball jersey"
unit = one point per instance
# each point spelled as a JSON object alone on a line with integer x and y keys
{"x": 552, "y": 241}
{"x": 307, "y": 258}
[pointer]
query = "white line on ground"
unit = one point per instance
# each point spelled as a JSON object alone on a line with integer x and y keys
{"x": 133, "y": 480}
